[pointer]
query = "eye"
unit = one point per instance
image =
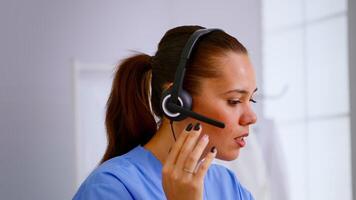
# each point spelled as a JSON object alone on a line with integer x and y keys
{"x": 233, "y": 102}
{"x": 253, "y": 101}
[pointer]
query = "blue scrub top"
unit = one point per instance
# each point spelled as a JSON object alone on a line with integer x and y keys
{"x": 137, "y": 175}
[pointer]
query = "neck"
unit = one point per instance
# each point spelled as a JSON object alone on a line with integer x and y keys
{"x": 162, "y": 141}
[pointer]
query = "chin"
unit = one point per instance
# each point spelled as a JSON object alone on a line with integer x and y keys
{"x": 229, "y": 156}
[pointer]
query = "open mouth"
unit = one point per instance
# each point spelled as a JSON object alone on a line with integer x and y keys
{"x": 241, "y": 140}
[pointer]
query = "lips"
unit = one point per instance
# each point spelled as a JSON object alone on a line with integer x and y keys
{"x": 241, "y": 140}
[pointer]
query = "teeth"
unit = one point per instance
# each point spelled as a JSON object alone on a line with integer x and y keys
{"x": 241, "y": 138}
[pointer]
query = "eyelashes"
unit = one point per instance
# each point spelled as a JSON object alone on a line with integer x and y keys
{"x": 235, "y": 102}
{"x": 253, "y": 101}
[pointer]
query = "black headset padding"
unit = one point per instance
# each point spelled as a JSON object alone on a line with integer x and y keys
{"x": 184, "y": 96}
{"x": 172, "y": 107}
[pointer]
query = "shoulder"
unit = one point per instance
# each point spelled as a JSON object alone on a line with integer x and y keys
{"x": 107, "y": 179}
{"x": 102, "y": 183}
{"x": 111, "y": 170}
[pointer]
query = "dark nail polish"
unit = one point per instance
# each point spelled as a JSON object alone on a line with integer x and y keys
{"x": 189, "y": 127}
{"x": 197, "y": 126}
{"x": 213, "y": 149}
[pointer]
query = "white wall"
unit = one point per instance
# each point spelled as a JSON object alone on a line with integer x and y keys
{"x": 38, "y": 41}
{"x": 305, "y": 49}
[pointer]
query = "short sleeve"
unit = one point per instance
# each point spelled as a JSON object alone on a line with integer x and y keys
{"x": 103, "y": 191}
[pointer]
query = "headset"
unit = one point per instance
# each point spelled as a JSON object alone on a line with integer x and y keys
{"x": 176, "y": 103}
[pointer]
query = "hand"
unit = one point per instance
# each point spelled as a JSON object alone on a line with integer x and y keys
{"x": 182, "y": 174}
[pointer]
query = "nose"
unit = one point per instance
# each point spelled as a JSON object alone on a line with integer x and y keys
{"x": 248, "y": 116}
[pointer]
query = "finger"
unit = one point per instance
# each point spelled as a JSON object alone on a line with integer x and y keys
{"x": 193, "y": 158}
{"x": 204, "y": 166}
{"x": 172, "y": 156}
{"x": 188, "y": 146}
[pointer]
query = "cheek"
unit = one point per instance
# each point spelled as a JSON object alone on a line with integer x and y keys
{"x": 228, "y": 115}
{"x": 229, "y": 119}
{"x": 219, "y": 111}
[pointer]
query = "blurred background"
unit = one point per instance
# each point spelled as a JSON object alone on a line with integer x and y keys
{"x": 56, "y": 66}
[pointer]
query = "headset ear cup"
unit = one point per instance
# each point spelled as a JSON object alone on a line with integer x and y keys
{"x": 187, "y": 99}
{"x": 184, "y": 100}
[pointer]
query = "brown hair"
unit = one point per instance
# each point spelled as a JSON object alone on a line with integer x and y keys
{"x": 129, "y": 120}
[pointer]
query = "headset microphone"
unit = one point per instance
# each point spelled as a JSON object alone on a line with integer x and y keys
{"x": 178, "y": 109}
{"x": 176, "y": 103}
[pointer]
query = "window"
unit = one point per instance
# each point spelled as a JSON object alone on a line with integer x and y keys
{"x": 305, "y": 70}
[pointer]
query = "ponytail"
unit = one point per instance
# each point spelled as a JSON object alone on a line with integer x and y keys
{"x": 129, "y": 121}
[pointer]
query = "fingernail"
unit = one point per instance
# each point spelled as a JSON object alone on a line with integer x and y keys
{"x": 197, "y": 126}
{"x": 189, "y": 127}
{"x": 213, "y": 149}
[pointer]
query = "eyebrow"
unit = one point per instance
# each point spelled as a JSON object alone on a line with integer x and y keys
{"x": 240, "y": 91}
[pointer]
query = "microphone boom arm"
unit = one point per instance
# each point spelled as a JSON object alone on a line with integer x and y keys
{"x": 177, "y": 109}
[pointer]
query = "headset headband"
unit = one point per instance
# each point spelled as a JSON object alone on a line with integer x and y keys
{"x": 184, "y": 58}
{"x": 176, "y": 102}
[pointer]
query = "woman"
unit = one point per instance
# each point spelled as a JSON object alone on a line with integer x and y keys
{"x": 166, "y": 160}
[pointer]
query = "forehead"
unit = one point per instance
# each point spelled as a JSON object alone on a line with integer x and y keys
{"x": 236, "y": 72}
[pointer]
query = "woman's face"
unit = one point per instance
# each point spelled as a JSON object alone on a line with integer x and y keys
{"x": 228, "y": 99}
